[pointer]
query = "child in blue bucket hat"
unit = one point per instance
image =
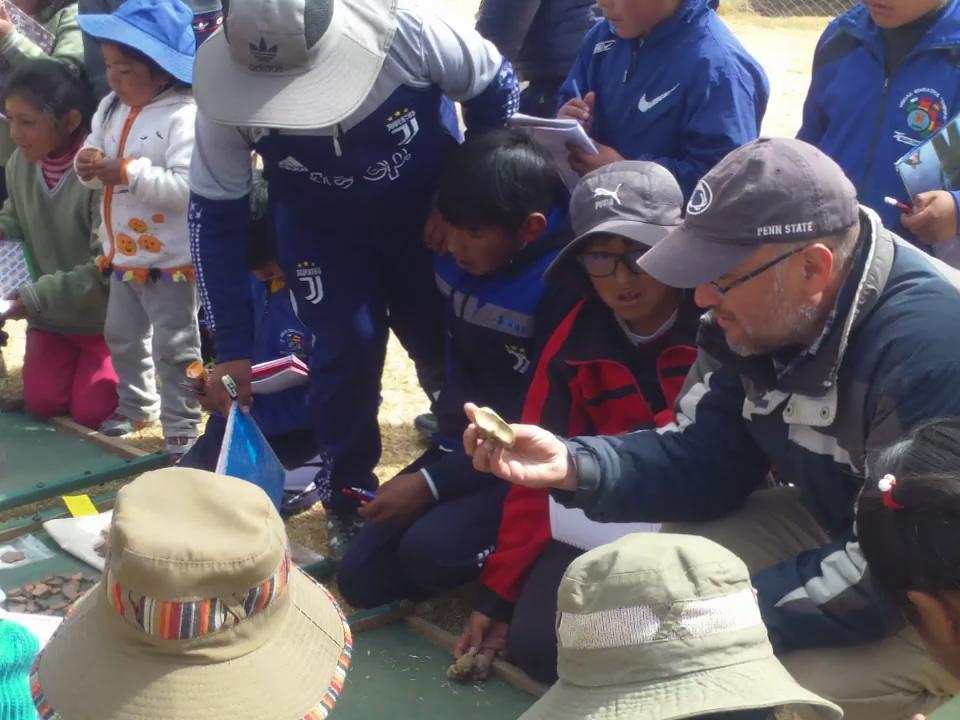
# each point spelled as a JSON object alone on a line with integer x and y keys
{"x": 139, "y": 153}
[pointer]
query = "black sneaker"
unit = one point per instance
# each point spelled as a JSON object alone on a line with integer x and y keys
{"x": 341, "y": 530}
{"x": 426, "y": 425}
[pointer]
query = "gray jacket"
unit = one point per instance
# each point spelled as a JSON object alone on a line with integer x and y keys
{"x": 540, "y": 38}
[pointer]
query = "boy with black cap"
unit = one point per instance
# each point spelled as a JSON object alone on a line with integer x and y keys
{"x": 349, "y": 103}
{"x": 827, "y": 336}
{"x": 615, "y": 364}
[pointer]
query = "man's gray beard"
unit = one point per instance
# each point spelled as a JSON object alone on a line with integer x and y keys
{"x": 791, "y": 324}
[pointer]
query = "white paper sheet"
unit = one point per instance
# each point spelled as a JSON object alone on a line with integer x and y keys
{"x": 573, "y": 527}
{"x": 42, "y": 626}
{"x": 556, "y": 135}
{"x": 80, "y": 535}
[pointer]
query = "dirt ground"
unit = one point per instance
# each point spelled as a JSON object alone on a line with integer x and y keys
{"x": 784, "y": 46}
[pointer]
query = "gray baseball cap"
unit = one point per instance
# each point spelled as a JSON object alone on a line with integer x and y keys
{"x": 293, "y": 64}
{"x": 773, "y": 190}
{"x": 636, "y": 200}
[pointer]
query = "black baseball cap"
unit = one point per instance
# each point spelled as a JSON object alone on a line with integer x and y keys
{"x": 772, "y": 190}
{"x": 637, "y": 200}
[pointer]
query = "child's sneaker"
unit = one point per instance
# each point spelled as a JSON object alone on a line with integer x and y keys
{"x": 341, "y": 529}
{"x": 427, "y": 425}
{"x": 178, "y": 446}
{"x": 118, "y": 425}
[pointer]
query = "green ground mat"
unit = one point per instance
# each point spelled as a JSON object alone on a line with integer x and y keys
{"x": 397, "y": 674}
{"x": 38, "y": 462}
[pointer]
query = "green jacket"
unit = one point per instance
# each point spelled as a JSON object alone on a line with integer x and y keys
{"x": 17, "y": 49}
{"x": 60, "y": 229}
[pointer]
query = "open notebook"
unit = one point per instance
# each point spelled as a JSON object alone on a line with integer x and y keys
{"x": 556, "y": 135}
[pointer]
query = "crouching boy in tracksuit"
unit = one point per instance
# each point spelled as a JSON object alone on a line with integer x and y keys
{"x": 667, "y": 81}
{"x": 431, "y": 527}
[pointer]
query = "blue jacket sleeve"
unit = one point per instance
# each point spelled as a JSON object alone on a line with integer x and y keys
{"x": 814, "y": 122}
{"x": 218, "y": 232}
{"x": 701, "y": 468}
{"x": 824, "y": 596}
{"x": 728, "y": 115}
{"x": 493, "y": 107}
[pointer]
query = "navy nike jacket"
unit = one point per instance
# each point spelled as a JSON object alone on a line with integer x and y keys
{"x": 683, "y": 96}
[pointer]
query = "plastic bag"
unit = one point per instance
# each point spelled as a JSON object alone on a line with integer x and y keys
{"x": 246, "y": 454}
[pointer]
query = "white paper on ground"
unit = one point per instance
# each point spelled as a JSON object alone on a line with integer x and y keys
{"x": 573, "y": 527}
{"x": 32, "y": 549}
{"x": 555, "y": 135}
{"x": 80, "y": 535}
{"x": 43, "y": 626}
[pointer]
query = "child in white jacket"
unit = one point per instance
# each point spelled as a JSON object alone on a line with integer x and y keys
{"x": 139, "y": 152}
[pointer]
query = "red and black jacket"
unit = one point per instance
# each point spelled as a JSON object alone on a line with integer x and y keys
{"x": 591, "y": 380}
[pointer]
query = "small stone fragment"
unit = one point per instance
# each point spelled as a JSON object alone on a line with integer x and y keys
{"x": 54, "y": 581}
{"x": 16, "y": 607}
{"x": 13, "y": 556}
{"x": 493, "y": 427}
{"x": 71, "y": 591}
{"x": 77, "y": 576}
{"x": 32, "y": 606}
{"x": 463, "y": 668}
{"x": 28, "y": 587}
{"x": 41, "y": 590}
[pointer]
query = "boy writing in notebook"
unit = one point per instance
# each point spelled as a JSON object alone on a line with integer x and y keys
{"x": 666, "y": 81}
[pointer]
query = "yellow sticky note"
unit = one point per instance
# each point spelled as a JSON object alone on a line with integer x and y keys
{"x": 80, "y": 505}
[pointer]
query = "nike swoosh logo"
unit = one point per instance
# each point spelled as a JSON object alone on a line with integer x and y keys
{"x": 645, "y": 104}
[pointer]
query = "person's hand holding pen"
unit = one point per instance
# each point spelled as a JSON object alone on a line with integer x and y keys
{"x": 933, "y": 217}
{"x": 399, "y": 501}
{"x": 580, "y": 108}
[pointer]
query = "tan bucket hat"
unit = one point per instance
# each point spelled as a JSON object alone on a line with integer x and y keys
{"x": 199, "y": 615}
{"x": 663, "y": 627}
{"x": 293, "y": 64}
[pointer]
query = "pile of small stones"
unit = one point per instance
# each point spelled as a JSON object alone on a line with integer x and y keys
{"x": 51, "y": 596}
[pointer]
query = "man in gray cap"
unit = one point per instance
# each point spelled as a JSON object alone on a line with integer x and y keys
{"x": 350, "y": 105}
{"x": 826, "y": 337}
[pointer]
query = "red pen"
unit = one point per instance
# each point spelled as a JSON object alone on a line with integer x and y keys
{"x": 897, "y": 204}
{"x": 363, "y": 496}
